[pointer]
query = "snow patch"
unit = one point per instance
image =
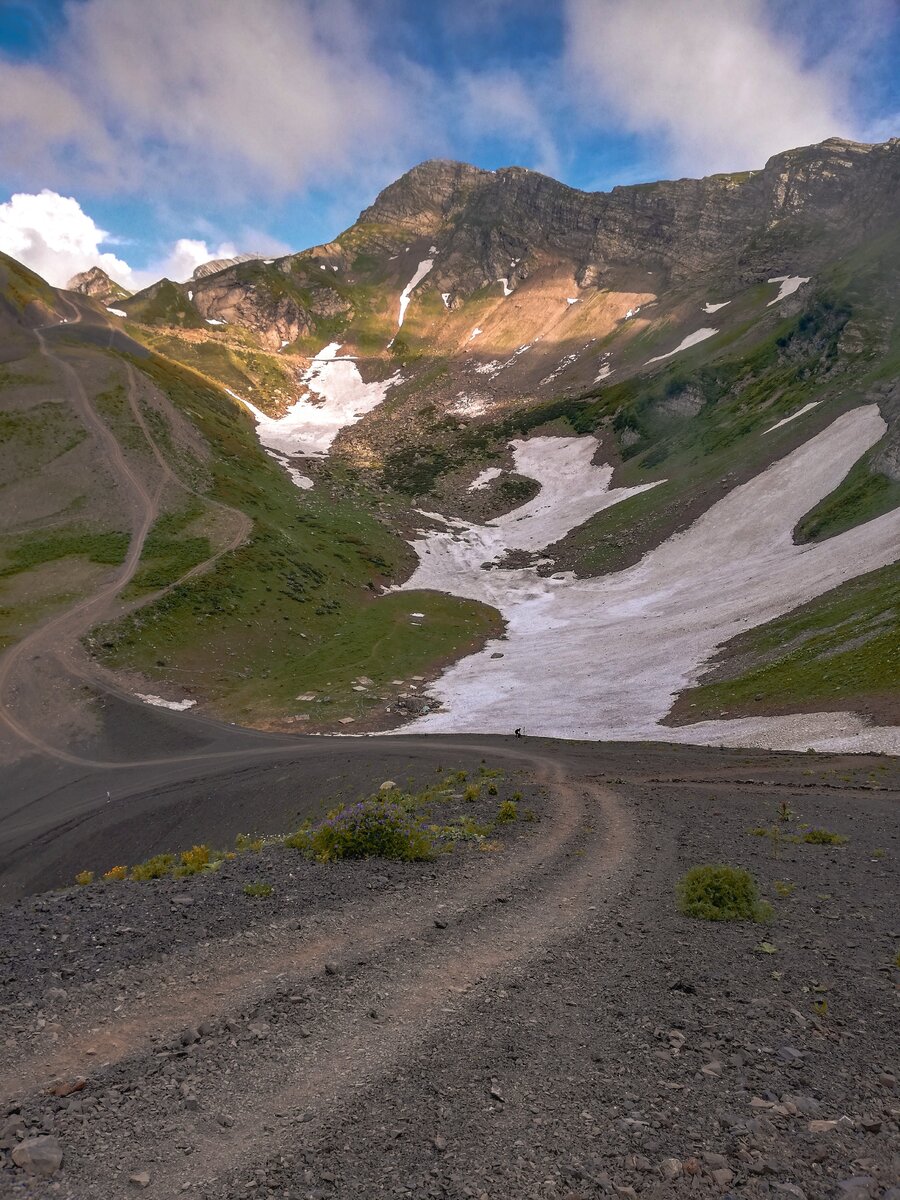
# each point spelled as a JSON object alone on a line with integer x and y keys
{"x": 421, "y": 271}
{"x": 474, "y": 334}
{"x": 483, "y": 478}
{"x": 621, "y": 646}
{"x": 793, "y": 416}
{"x": 507, "y": 290}
{"x": 445, "y": 296}
{"x": 175, "y": 705}
{"x": 268, "y": 261}
{"x": 789, "y": 285}
{"x": 711, "y": 308}
{"x": 604, "y": 373}
{"x": 190, "y": 295}
{"x": 571, "y": 300}
{"x": 470, "y": 406}
{"x": 307, "y": 428}
{"x": 213, "y": 321}
{"x": 692, "y": 339}
{"x": 117, "y": 312}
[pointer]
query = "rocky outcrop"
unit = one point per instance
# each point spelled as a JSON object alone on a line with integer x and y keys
{"x": 786, "y": 216}
{"x": 98, "y": 285}
{"x": 219, "y": 264}
{"x": 277, "y": 307}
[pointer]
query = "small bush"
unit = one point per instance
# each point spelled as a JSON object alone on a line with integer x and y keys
{"x": 258, "y": 890}
{"x": 245, "y": 841}
{"x": 194, "y": 860}
{"x": 721, "y": 893}
{"x": 461, "y": 777}
{"x": 472, "y": 793}
{"x": 374, "y": 828}
{"x": 299, "y": 840}
{"x": 823, "y": 837}
{"x": 508, "y": 811}
{"x": 154, "y": 868}
{"x": 116, "y": 873}
{"x": 462, "y": 829}
{"x": 83, "y": 878}
{"x": 492, "y": 789}
{"x": 783, "y": 889}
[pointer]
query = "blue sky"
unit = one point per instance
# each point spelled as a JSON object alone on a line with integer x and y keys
{"x": 218, "y": 124}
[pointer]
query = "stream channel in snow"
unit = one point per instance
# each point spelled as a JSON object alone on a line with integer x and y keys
{"x": 604, "y": 657}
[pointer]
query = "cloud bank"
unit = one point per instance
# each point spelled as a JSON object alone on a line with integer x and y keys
{"x": 53, "y": 236}
{"x": 717, "y": 84}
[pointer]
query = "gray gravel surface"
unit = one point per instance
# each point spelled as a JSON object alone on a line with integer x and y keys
{"x": 533, "y": 1021}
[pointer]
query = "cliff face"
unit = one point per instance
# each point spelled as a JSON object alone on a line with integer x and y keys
{"x": 484, "y": 220}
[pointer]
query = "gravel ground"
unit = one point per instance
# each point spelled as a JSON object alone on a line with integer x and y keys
{"x": 536, "y": 1021}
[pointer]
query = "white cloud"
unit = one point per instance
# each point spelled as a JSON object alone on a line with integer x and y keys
{"x": 503, "y": 103}
{"x": 716, "y": 82}
{"x": 53, "y": 236}
{"x": 234, "y": 95}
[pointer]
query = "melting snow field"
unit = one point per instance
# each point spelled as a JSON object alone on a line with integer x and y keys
{"x": 175, "y": 705}
{"x": 309, "y": 429}
{"x": 603, "y": 658}
{"x": 488, "y": 475}
{"x": 421, "y": 271}
{"x": 793, "y": 416}
{"x": 789, "y": 285}
{"x": 692, "y": 339}
{"x": 711, "y": 308}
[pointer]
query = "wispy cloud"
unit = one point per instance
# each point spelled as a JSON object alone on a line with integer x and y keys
{"x": 217, "y": 93}
{"x": 722, "y": 86}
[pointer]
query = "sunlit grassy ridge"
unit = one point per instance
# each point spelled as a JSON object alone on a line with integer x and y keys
{"x": 296, "y": 607}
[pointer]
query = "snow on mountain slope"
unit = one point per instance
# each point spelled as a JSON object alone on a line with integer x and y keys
{"x": 622, "y": 646}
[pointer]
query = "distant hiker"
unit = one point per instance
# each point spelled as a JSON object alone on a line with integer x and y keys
{"x": 518, "y": 732}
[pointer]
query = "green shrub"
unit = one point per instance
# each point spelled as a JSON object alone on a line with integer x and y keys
{"x": 154, "y": 868}
{"x": 492, "y": 789}
{"x": 823, "y": 837}
{"x": 83, "y": 878}
{"x": 721, "y": 893}
{"x": 245, "y": 841}
{"x": 472, "y": 792}
{"x": 194, "y": 860}
{"x": 375, "y": 828}
{"x": 508, "y": 811}
{"x": 258, "y": 890}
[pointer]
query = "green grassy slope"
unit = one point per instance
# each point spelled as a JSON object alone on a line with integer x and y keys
{"x": 269, "y": 619}
{"x": 839, "y": 651}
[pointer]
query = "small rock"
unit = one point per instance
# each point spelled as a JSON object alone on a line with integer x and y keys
{"x": 183, "y": 900}
{"x": 723, "y": 1177}
{"x": 440, "y": 1143}
{"x": 712, "y": 1069}
{"x": 439, "y": 924}
{"x": 38, "y": 1155}
{"x": 670, "y": 1168}
{"x": 388, "y": 786}
{"x": 332, "y": 967}
{"x": 140, "y": 1179}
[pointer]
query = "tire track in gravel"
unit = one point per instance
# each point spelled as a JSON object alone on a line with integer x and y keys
{"x": 248, "y": 975}
{"x": 410, "y": 969}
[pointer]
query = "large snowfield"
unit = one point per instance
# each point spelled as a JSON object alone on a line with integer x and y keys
{"x": 603, "y": 658}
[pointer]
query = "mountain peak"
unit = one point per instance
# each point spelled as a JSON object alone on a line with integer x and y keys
{"x": 97, "y": 284}
{"x": 422, "y": 199}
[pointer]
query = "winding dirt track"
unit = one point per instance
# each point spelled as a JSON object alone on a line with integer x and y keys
{"x": 58, "y": 637}
{"x": 517, "y": 905}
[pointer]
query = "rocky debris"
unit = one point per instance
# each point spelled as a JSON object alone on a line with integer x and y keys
{"x": 215, "y": 265}
{"x": 575, "y": 1067}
